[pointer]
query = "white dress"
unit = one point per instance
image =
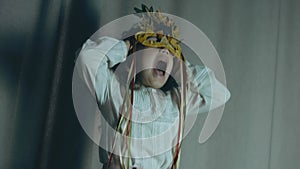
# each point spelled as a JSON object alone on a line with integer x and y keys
{"x": 155, "y": 116}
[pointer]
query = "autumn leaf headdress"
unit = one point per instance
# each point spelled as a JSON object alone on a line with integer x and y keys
{"x": 157, "y": 30}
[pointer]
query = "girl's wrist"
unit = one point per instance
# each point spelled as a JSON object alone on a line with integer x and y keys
{"x": 128, "y": 45}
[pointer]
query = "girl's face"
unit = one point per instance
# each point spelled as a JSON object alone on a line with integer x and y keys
{"x": 155, "y": 65}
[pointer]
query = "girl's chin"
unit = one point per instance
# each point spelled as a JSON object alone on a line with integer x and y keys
{"x": 155, "y": 83}
{"x": 157, "y": 86}
{"x": 158, "y": 82}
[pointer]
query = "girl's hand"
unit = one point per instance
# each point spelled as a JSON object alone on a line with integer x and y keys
{"x": 128, "y": 45}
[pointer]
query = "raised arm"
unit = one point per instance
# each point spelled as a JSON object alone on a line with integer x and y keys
{"x": 94, "y": 70}
{"x": 95, "y": 61}
{"x": 206, "y": 91}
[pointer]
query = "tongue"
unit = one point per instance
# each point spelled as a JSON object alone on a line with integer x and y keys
{"x": 159, "y": 72}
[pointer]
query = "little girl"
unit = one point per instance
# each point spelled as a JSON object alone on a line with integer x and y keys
{"x": 145, "y": 89}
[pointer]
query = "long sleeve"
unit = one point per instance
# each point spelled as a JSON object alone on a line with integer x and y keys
{"x": 95, "y": 61}
{"x": 206, "y": 92}
{"x": 93, "y": 68}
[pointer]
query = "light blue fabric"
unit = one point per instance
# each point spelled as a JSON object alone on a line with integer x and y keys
{"x": 154, "y": 113}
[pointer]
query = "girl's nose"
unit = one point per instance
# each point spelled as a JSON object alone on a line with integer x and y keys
{"x": 165, "y": 51}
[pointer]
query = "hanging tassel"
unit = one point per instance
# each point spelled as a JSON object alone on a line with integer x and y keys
{"x": 182, "y": 112}
{"x": 128, "y": 126}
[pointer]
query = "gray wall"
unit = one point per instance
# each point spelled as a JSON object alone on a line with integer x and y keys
{"x": 258, "y": 42}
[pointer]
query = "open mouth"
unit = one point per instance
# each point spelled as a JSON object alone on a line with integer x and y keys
{"x": 160, "y": 68}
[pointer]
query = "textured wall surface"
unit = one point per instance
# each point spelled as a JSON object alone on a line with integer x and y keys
{"x": 258, "y": 42}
